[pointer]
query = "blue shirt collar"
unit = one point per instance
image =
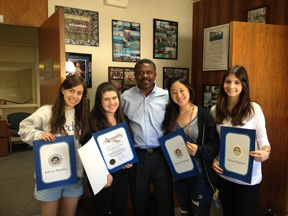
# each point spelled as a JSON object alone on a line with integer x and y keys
{"x": 152, "y": 92}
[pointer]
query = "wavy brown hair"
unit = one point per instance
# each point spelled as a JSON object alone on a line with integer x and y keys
{"x": 172, "y": 109}
{"x": 243, "y": 108}
{"x": 58, "y": 119}
{"x": 97, "y": 117}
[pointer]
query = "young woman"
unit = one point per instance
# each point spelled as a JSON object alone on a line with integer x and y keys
{"x": 67, "y": 116}
{"x": 107, "y": 112}
{"x": 235, "y": 109}
{"x": 194, "y": 194}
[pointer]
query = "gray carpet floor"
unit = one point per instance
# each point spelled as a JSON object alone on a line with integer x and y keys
{"x": 17, "y": 186}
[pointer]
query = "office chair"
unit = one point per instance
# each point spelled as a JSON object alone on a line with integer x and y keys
{"x": 14, "y": 120}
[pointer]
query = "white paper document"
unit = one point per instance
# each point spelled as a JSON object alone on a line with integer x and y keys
{"x": 237, "y": 153}
{"x": 179, "y": 155}
{"x": 115, "y": 147}
{"x": 52, "y": 163}
{"x": 94, "y": 165}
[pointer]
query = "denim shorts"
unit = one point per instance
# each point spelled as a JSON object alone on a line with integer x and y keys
{"x": 52, "y": 194}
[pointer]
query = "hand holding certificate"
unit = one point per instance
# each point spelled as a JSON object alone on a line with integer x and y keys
{"x": 181, "y": 163}
{"x": 235, "y": 145}
{"x": 116, "y": 146}
{"x": 108, "y": 150}
{"x": 55, "y": 162}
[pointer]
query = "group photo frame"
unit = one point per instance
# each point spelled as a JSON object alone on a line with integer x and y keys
{"x": 81, "y": 26}
{"x": 165, "y": 37}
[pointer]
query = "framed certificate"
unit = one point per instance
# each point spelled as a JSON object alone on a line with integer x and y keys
{"x": 181, "y": 163}
{"x": 55, "y": 162}
{"x": 116, "y": 146}
{"x": 235, "y": 145}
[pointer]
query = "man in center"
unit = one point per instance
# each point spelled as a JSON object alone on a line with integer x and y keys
{"x": 144, "y": 105}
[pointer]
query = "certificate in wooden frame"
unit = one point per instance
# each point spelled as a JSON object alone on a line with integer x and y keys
{"x": 216, "y": 48}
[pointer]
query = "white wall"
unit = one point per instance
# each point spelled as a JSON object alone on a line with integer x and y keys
{"x": 138, "y": 11}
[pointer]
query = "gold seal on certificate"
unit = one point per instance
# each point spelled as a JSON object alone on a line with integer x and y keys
{"x": 178, "y": 153}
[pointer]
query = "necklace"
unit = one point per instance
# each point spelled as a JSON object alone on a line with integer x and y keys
{"x": 190, "y": 122}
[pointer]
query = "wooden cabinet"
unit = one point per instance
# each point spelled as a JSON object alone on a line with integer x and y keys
{"x": 263, "y": 51}
{"x": 3, "y": 137}
{"x": 24, "y": 13}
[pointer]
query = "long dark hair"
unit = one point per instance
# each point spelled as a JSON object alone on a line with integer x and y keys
{"x": 172, "y": 109}
{"x": 97, "y": 117}
{"x": 243, "y": 108}
{"x": 58, "y": 119}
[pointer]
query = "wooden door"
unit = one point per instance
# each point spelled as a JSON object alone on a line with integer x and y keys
{"x": 263, "y": 50}
{"x": 51, "y": 54}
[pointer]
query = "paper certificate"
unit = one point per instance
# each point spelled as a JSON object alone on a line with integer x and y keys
{"x": 116, "y": 146}
{"x": 181, "y": 163}
{"x": 235, "y": 145}
{"x": 90, "y": 156}
{"x": 55, "y": 162}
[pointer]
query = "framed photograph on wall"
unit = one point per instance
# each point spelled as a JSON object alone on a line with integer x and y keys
{"x": 82, "y": 66}
{"x": 171, "y": 71}
{"x": 125, "y": 41}
{"x": 122, "y": 77}
{"x": 165, "y": 37}
{"x": 210, "y": 93}
{"x": 81, "y": 26}
{"x": 258, "y": 15}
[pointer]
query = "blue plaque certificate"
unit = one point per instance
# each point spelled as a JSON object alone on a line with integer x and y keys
{"x": 55, "y": 162}
{"x": 116, "y": 147}
{"x": 181, "y": 163}
{"x": 235, "y": 145}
